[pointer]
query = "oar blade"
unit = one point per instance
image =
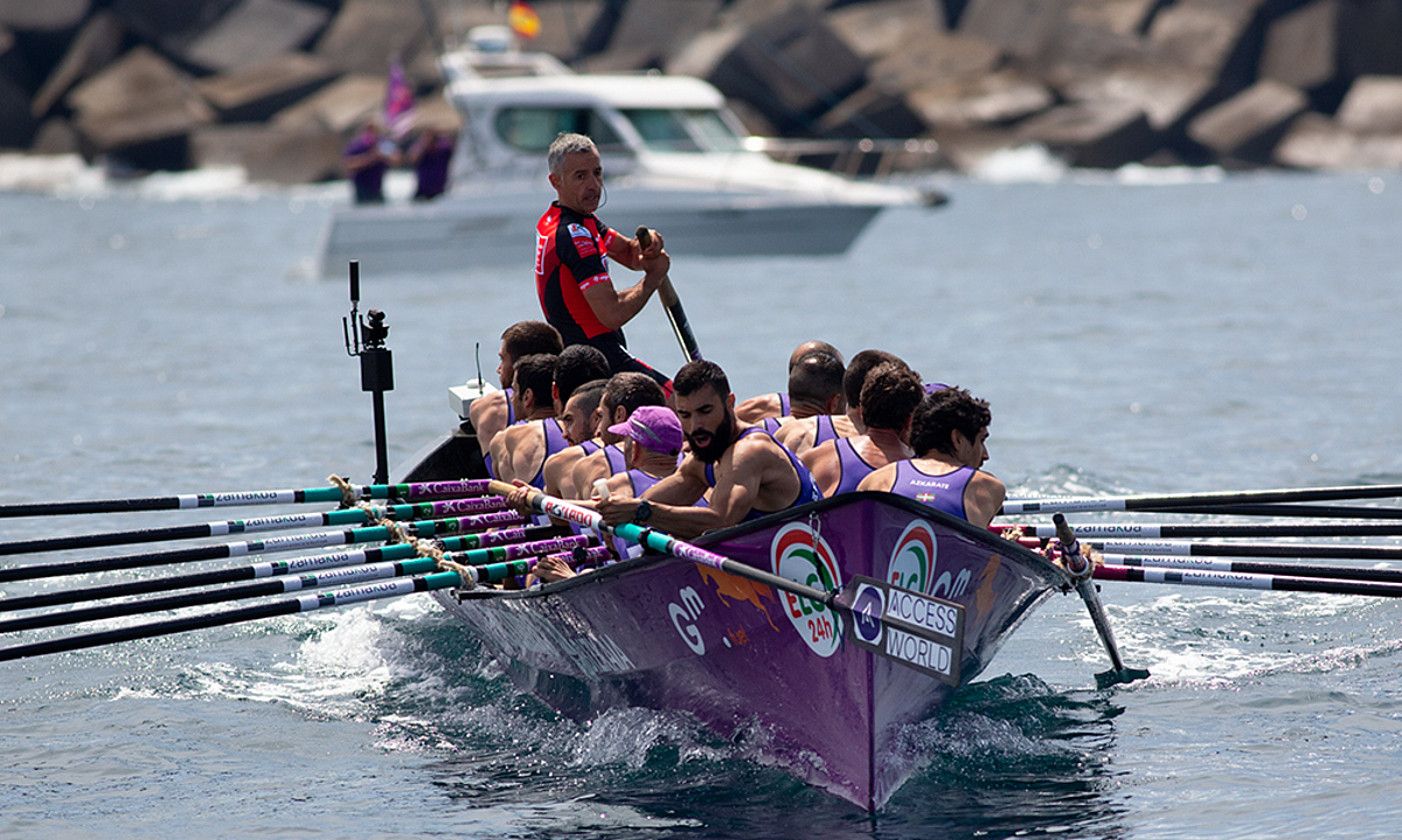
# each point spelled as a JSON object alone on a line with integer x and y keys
{"x": 1123, "y": 676}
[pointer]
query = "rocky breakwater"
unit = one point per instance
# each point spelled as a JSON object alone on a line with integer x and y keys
{"x": 277, "y": 85}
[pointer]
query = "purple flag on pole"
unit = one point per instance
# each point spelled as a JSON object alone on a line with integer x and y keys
{"x": 399, "y": 103}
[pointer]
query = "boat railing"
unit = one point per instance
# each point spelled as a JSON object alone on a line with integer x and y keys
{"x": 866, "y": 157}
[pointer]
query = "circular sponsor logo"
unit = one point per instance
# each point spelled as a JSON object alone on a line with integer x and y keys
{"x": 867, "y": 609}
{"x": 912, "y": 563}
{"x": 800, "y": 555}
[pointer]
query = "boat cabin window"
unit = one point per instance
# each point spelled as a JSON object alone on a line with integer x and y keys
{"x": 675, "y": 130}
{"x": 533, "y": 129}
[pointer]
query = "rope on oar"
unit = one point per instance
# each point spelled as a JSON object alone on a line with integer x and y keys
{"x": 1081, "y": 569}
{"x": 362, "y": 513}
{"x": 1159, "y": 530}
{"x": 420, "y": 491}
{"x": 291, "y": 542}
{"x": 1241, "y": 580}
{"x": 338, "y": 576}
{"x": 1223, "y": 564}
{"x": 278, "y": 568}
{"x": 1069, "y": 504}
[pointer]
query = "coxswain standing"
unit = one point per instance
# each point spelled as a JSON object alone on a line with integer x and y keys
{"x": 950, "y": 436}
{"x": 571, "y": 262}
{"x": 751, "y": 473}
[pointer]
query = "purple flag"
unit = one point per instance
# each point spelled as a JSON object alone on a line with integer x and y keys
{"x": 399, "y": 103}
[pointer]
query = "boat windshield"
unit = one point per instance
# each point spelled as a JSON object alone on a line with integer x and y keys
{"x": 533, "y": 129}
{"x": 677, "y": 130}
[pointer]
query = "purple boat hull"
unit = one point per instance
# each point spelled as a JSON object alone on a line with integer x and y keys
{"x": 741, "y": 656}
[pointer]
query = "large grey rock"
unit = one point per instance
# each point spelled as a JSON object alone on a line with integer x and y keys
{"x": 270, "y": 153}
{"x": 367, "y": 34}
{"x": 1373, "y": 105}
{"x": 568, "y": 28}
{"x": 873, "y": 111}
{"x": 880, "y": 28}
{"x": 170, "y": 24}
{"x": 996, "y": 99}
{"x": 1168, "y": 95}
{"x": 97, "y": 44}
{"x": 257, "y": 91}
{"x": 338, "y": 107}
{"x": 1247, "y": 126}
{"x": 965, "y": 148}
{"x": 42, "y": 15}
{"x": 56, "y": 136}
{"x": 1212, "y": 36}
{"x": 658, "y": 28}
{"x": 1316, "y": 142}
{"x": 254, "y": 31}
{"x": 744, "y": 13}
{"x": 1121, "y": 17}
{"x": 1022, "y": 28}
{"x": 142, "y": 98}
{"x": 1302, "y": 48}
{"x": 1099, "y": 134}
{"x": 924, "y": 58}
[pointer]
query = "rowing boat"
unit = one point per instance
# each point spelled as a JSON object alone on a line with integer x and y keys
{"x": 826, "y": 699}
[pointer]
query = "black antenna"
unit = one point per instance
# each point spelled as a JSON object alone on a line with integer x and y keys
{"x": 477, "y": 351}
{"x": 366, "y": 339}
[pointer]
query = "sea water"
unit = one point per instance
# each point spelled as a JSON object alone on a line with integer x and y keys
{"x": 1142, "y": 331}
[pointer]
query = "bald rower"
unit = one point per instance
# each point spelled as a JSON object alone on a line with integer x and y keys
{"x": 778, "y": 405}
{"x": 492, "y": 413}
{"x": 625, "y": 393}
{"x": 519, "y": 452}
{"x": 802, "y": 435}
{"x": 949, "y": 433}
{"x": 889, "y": 397}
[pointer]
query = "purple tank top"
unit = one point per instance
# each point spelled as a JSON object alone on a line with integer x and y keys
{"x": 824, "y": 430}
{"x": 770, "y": 424}
{"x": 807, "y": 489}
{"x": 554, "y": 442}
{"x": 851, "y": 467}
{"x": 589, "y": 447}
{"x": 941, "y": 492}
{"x": 785, "y": 410}
{"x": 618, "y": 462}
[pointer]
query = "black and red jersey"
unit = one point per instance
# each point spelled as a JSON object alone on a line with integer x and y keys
{"x": 571, "y": 257}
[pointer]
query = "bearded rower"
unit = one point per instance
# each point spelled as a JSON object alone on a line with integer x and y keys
{"x": 889, "y": 398}
{"x": 950, "y": 434}
{"x": 751, "y": 474}
{"x": 778, "y": 405}
{"x": 493, "y": 412}
{"x": 571, "y": 264}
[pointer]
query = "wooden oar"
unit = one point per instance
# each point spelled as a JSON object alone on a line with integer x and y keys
{"x": 243, "y": 498}
{"x": 1158, "y": 530}
{"x": 339, "y": 576}
{"x": 1068, "y": 504}
{"x": 1080, "y": 568}
{"x": 347, "y": 516}
{"x": 673, "y": 305}
{"x": 1224, "y": 564}
{"x": 1241, "y": 580}
{"x": 273, "y": 568}
{"x": 291, "y": 542}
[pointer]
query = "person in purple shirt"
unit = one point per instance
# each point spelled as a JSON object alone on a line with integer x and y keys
{"x": 950, "y": 437}
{"x": 431, "y": 156}
{"x": 889, "y": 397}
{"x": 366, "y": 159}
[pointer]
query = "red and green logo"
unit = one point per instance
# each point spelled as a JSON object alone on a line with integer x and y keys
{"x": 801, "y": 555}
{"x": 912, "y": 563}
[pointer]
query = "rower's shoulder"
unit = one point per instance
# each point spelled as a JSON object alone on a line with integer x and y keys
{"x": 754, "y": 409}
{"x": 880, "y": 478}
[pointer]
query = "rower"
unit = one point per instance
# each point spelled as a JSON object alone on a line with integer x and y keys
{"x": 652, "y": 441}
{"x": 751, "y": 473}
{"x": 802, "y": 435}
{"x": 577, "y": 365}
{"x": 520, "y": 451}
{"x": 624, "y": 394}
{"x": 580, "y": 422}
{"x": 950, "y": 436}
{"x": 492, "y": 413}
{"x": 571, "y": 272}
{"x": 777, "y": 405}
{"x": 889, "y": 397}
{"x": 815, "y": 390}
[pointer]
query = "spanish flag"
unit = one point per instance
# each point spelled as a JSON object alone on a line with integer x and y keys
{"x": 523, "y": 19}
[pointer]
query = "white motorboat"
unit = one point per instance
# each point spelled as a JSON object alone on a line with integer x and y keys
{"x": 675, "y": 159}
